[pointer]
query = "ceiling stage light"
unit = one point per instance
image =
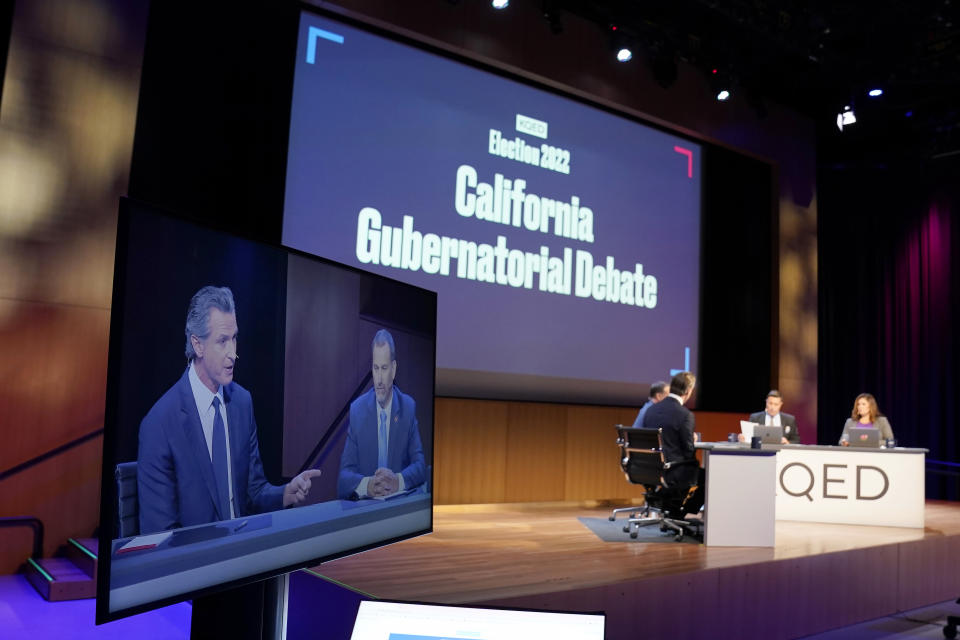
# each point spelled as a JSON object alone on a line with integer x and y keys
{"x": 846, "y": 118}
{"x": 500, "y": 4}
{"x": 624, "y": 54}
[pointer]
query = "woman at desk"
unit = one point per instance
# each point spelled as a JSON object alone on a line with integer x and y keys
{"x": 866, "y": 414}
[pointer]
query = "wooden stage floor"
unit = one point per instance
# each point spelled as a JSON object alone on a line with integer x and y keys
{"x": 817, "y": 577}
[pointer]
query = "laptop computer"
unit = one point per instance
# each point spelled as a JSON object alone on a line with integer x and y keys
{"x": 769, "y": 434}
{"x": 864, "y": 437}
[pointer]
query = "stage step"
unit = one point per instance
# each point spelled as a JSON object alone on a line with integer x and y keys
{"x": 83, "y": 553}
{"x": 70, "y": 577}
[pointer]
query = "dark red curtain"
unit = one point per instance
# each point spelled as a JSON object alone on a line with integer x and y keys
{"x": 889, "y": 253}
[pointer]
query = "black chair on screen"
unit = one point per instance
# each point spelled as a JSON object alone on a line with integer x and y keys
{"x": 128, "y": 504}
{"x": 642, "y": 464}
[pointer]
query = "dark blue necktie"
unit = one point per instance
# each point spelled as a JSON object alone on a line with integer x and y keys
{"x": 382, "y": 440}
{"x": 220, "y": 461}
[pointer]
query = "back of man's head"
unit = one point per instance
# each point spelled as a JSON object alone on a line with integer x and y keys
{"x": 682, "y": 383}
{"x": 657, "y": 389}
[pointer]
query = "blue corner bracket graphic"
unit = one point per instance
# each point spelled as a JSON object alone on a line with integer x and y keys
{"x": 686, "y": 362}
{"x": 314, "y": 34}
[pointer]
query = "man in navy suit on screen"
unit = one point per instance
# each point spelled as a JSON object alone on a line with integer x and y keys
{"x": 199, "y": 457}
{"x": 382, "y": 454}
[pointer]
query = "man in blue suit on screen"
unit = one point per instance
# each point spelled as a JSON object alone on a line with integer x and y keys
{"x": 199, "y": 457}
{"x": 383, "y": 453}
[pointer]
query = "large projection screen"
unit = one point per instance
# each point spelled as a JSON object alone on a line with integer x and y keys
{"x": 563, "y": 240}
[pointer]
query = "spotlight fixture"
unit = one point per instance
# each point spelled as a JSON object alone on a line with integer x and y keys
{"x": 845, "y": 118}
{"x": 874, "y": 93}
{"x": 722, "y": 82}
{"x": 621, "y": 44}
{"x": 500, "y": 4}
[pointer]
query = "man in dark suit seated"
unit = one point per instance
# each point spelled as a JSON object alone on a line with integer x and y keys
{"x": 677, "y": 435}
{"x": 383, "y": 453}
{"x": 773, "y": 416}
{"x": 199, "y": 456}
{"x": 658, "y": 391}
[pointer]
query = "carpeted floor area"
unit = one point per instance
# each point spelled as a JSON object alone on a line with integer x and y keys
{"x": 613, "y": 532}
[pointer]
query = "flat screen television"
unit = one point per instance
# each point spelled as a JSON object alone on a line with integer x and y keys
{"x": 266, "y": 410}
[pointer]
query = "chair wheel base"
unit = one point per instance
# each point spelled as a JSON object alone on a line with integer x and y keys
{"x": 950, "y": 631}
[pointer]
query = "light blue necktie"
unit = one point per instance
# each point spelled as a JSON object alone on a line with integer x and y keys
{"x": 220, "y": 461}
{"x": 382, "y": 440}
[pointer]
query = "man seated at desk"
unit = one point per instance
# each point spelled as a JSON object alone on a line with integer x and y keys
{"x": 773, "y": 416}
{"x": 383, "y": 454}
{"x": 677, "y": 434}
{"x": 199, "y": 456}
{"x": 658, "y": 391}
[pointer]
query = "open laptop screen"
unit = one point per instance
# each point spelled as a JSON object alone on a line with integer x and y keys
{"x": 405, "y": 621}
{"x": 864, "y": 437}
{"x": 769, "y": 434}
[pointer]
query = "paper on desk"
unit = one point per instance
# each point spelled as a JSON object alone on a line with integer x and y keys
{"x": 144, "y": 542}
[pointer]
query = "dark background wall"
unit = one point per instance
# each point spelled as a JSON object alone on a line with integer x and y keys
{"x": 889, "y": 308}
{"x": 67, "y": 117}
{"x": 739, "y": 320}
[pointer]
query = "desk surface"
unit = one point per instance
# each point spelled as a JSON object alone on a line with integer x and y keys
{"x": 733, "y": 450}
{"x": 740, "y": 446}
{"x": 205, "y": 555}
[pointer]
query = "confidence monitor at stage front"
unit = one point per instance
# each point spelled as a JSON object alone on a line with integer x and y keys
{"x": 418, "y": 621}
{"x": 249, "y": 420}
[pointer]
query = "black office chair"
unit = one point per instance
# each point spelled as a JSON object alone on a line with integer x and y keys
{"x": 128, "y": 504}
{"x": 675, "y": 503}
{"x": 950, "y": 630}
{"x": 642, "y": 464}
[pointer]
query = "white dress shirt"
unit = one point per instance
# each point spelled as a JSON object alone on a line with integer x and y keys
{"x": 362, "y": 487}
{"x": 204, "y": 399}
